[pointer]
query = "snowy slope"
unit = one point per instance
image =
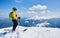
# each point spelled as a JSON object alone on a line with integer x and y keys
{"x": 31, "y": 32}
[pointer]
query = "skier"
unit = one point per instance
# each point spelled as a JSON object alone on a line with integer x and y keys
{"x": 14, "y": 18}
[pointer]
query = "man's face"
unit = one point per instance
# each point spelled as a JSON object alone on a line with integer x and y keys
{"x": 14, "y": 10}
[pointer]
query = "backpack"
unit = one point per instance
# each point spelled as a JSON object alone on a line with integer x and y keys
{"x": 10, "y": 16}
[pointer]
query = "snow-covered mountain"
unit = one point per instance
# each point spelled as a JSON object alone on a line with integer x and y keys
{"x": 32, "y": 21}
{"x": 30, "y": 32}
{"x": 43, "y": 24}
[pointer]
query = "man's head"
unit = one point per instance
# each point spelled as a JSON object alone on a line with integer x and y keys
{"x": 14, "y": 9}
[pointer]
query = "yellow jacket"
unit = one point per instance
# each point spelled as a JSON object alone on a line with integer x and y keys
{"x": 14, "y": 16}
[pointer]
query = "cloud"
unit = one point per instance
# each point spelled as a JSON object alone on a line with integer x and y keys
{"x": 38, "y": 7}
{"x": 41, "y": 9}
{"x": 3, "y": 15}
{"x": 27, "y": 14}
{"x": 49, "y": 16}
{"x": 18, "y": 1}
{"x": 36, "y": 17}
{"x": 42, "y": 12}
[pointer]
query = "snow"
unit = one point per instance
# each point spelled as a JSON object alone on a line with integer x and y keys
{"x": 26, "y": 22}
{"x": 31, "y": 32}
{"x": 43, "y": 24}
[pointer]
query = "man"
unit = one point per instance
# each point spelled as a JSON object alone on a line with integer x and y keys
{"x": 14, "y": 18}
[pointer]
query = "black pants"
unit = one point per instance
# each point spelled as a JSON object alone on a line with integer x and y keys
{"x": 15, "y": 23}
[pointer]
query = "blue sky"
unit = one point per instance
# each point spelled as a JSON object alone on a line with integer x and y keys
{"x": 24, "y": 5}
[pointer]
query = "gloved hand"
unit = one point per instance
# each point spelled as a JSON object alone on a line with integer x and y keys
{"x": 19, "y": 17}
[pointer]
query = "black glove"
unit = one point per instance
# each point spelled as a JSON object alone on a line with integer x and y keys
{"x": 18, "y": 17}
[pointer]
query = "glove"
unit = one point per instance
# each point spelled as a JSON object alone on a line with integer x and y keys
{"x": 18, "y": 17}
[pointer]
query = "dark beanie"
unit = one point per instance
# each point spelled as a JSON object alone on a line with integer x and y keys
{"x": 14, "y": 9}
